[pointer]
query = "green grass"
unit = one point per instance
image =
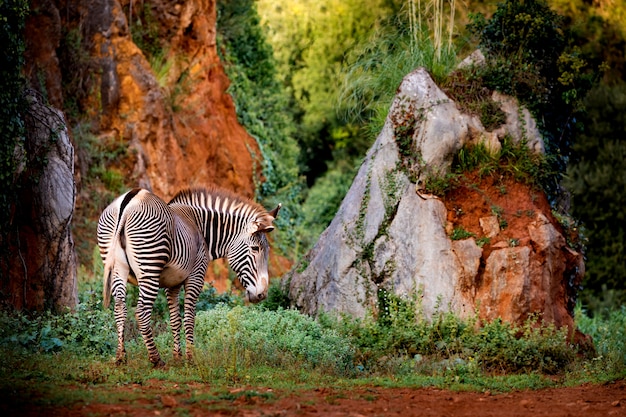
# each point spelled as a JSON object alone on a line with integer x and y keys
{"x": 514, "y": 161}
{"x": 69, "y": 358}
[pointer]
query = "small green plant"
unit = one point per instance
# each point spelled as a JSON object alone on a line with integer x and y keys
{"x": 497, "y": 211}
{"x": 277, "y": 297}
{"x": 144, "y": 29}
{"x": 482, "y": 241}
{"x": 439, "y": 185}
{"x": 459, "y": 233}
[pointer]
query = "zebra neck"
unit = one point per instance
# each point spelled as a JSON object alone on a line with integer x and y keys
{"x": 220, "y": 230}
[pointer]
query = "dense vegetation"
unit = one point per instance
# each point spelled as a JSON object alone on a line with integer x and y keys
{"x": 314, "y": 89}
{"x": 12, "y": 104}
{"x": 269, "y": 346}
{"x": 339, "y": 63}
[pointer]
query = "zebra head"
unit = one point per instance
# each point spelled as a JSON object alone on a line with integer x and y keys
{"x": 248, "y": 256}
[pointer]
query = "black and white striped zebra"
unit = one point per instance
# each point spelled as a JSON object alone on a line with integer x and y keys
{"x": 152, "y": 244}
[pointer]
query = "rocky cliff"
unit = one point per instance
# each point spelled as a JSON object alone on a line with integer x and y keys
{"x": 175, "y": 116}
{"x": 171, "y": 115}
{"x": 491, "y": 245}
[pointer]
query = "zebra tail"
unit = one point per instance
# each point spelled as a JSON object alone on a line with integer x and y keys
{"x": 106, "y": 290}
{"x": 109, "y": 264}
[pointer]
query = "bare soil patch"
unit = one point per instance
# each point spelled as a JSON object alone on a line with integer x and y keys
{"x": 152, "y": 399}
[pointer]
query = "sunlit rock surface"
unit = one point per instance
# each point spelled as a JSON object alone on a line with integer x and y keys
{"x": 389, "y": 235}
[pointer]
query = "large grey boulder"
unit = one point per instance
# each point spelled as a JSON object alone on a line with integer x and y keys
{"x": 387, "y": 234}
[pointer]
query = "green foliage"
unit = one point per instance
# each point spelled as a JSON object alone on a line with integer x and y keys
{"x": 264, "y": 110}
{"x": 12, "y": 104}
{"x": 459, "y": 233}
{"x": 277, "y": 297}
{"x": 322, "y": 201}
{"x": 401, "y": 340}
{"x": 465, "y": 87}
{"x": 515, "y": 161}
{"x": 77, "y": 73}
{"x": 529, "y": 56}
{"x": 144, "y": 28}
{"x": 248, "y": 346}
{"x": 597, "y": 180}
{"x": 376, "y": 68}
{"x": 102, "y": 183}
{"x": 88, "y": 331}
{"x": 599, "y": 32}
{"x": 311, "y": 40}
{"x": 231, "y": 341}
{"x": 607, "y": 329}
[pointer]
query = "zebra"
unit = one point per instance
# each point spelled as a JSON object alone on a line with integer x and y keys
{"x": 152, "y": 244}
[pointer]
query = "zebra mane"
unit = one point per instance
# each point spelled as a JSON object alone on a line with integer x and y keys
{"x": 217, "y": 200}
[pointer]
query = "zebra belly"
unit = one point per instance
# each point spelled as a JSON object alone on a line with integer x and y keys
{"x": 172, "y": 277}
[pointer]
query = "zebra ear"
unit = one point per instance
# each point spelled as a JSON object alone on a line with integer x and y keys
{"x": 274, "y": 213}
{"x": 265, "y": 223}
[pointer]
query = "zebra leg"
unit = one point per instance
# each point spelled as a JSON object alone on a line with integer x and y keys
{"x": 175, "y": 321}
{"x": 148, "y": 290}
{"x": 193, "y": 287}
{"x": 119, "y": 295}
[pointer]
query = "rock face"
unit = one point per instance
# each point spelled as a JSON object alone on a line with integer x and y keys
{"x": 387, "y": 234}
{"x": 178, "y": 121}
{"x": 41, "y": 266}
{"x": 172, "y": 116}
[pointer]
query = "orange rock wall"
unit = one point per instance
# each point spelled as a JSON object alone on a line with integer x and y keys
{"x": 182, "y": 129}
{"x": 179, "y": 125}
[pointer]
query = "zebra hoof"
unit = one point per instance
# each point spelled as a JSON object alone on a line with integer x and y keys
{"x": 120, "y": 361}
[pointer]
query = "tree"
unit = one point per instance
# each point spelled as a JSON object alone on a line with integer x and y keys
{"x": 597, "y": 181}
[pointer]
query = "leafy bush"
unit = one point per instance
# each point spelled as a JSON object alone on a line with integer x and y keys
{"x": 265, "y": 110}
{"x": 529, "y": 57}
{"x": 608, "y": 331}
{"x": 234, "y": 340}
{"x": 85, "y": 331}
{"x": 277, "y": 297}
{"x": 403, "y": 337}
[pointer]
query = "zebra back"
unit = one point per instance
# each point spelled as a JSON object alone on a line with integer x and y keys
{"x": 221, "y": 215}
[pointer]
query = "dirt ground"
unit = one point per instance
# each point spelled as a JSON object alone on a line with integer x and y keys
{"x": 197, "y": 400}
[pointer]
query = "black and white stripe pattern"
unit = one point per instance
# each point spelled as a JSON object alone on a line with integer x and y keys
{"x": 234, "y": 228}
{"x": 153, "y": 244}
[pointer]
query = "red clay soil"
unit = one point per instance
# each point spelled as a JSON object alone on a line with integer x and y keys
{"x": 514, "y": 202}
{"x": 198, "y": 400}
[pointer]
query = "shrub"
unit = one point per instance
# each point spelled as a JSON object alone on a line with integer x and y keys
{"x": 515, "y": 161}
{"x": 403, "y": 337}
{"x": 233, "y": 340}
{"x": 85, "y": 331}
{"x": 608, "y": 331}
{"x": 529, "y": 57}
